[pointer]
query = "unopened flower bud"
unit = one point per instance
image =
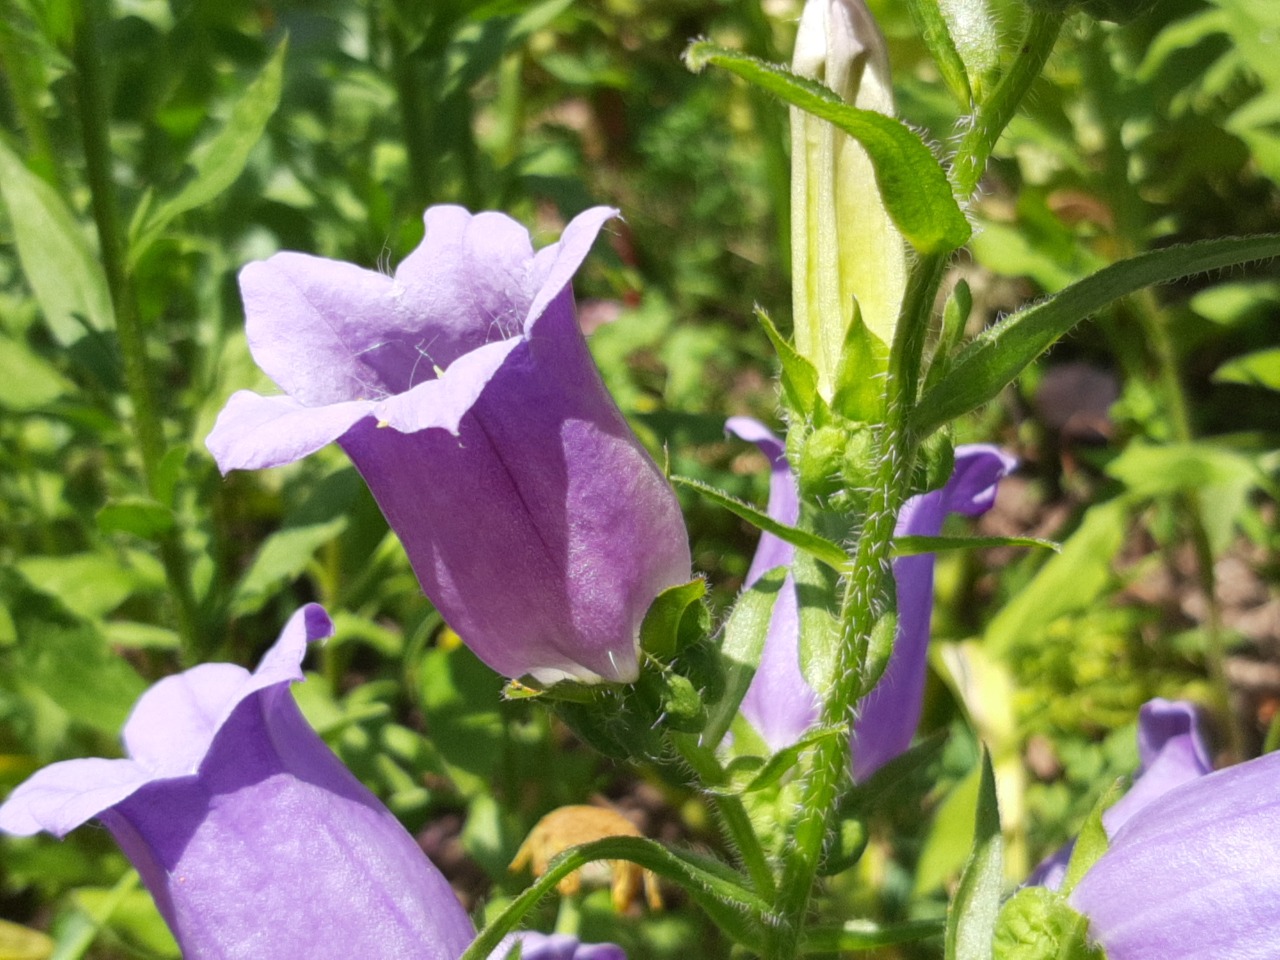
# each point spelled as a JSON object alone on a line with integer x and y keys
{"x": 844, "y": 247}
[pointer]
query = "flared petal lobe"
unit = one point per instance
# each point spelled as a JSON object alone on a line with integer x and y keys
{"x": 1172, "y": 749}
{"x": 780, "y": 705}
{"x": 253, "y": 838}
{"x": 1193, "y": 874}
{"x": 463, "y": 391}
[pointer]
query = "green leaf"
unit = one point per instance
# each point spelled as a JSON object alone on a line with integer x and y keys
{"x": 799, "y": 378}
{"x": 936, "y": 34}
{"x": 61, "y": 267}
{"x": 996, "y": 357}
{"x": 854, "y": 935}
{"x": 720, "y": 891}
{"x": 976, "y": 34}
{"x": 820, "y": 636}
{"x": 831, "y": 554}
{"x": 217, "y": 162}
{"x": 955, "y": 317}
{"x": 28, "y": 381}
{"x": 740, "y": 647}
{"x": 73, "y": 666}
{"x": 282, "y": 558}
{"x": 23, "y": 943}
{"x": 971, "y": 917}
{"x": 1258, "y": 369}
{"x": 782, "y": 761}
{"x": 1092, "y": 841}
{"x": 660, "y": 629}
{"x": 140, "y": 516}
{"x": 915, "y": 189}
{"x": 913, "y": 546}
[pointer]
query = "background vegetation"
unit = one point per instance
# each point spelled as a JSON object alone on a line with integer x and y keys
{"x": 237, "y": 128}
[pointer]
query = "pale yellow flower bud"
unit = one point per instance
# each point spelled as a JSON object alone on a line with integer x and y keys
{"x": 843, "y": 244}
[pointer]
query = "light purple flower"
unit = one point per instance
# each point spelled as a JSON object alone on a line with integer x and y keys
{"x": 1193, "y": 874}
{"x": 1172, "y": 751}
{"x": 556, "y": 946}
{"x": 780, "y": 705}
{"x": 463, "y": 390}
{"x": 253, "y": 838}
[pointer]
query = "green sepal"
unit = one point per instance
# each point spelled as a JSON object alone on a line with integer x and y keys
{"x": 798, "y": 377}
{"x": 660, "y": 631}
{"x": 860, "y": 384}
{"x": 1092, "y": 841}
{"x": 879, "y": 649}
{"x": 1038, "y": 924}
{"x": 955, "y": 318}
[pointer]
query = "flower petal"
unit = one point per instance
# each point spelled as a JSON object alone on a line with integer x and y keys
{"x": 554, "y": 266}
{"x": 1194, "y": 874}
{"x": 172, "y": 726}
{"x": 65, "y": 795}
{"x": 253, "y": 431}
{"x": 444, "y": 402}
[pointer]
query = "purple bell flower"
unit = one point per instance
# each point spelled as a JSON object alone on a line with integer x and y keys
{"x": 462, "y": 389}
{"x": 1172, "y": 750}
{"x": 780, "y": 705}
{"x": 1194, "y": 873}
{"x": 251, "y": 835}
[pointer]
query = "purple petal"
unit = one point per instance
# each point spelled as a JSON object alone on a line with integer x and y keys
{"x": 555, "y": 946}
{"x": 264, "y": 844}
{"x": 554, "y": 266}
{"x": 780, "y": 705}
{"x": 444, "y": 402}
{"x": 1194, "y": 873}
{"x": 253, "y": 432}
{"x": 889, "y": 715}
{"x": 1173, "y": 751}
{"x": 784, "y": 498}
{"x": 65, "y": 795}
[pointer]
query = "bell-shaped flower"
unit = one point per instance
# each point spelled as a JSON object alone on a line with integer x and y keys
{"x": 462, "y": 389}
{"x": 251, "y": 835}
{"x": 1193, "y": 874}
{"x": 843, "y": 243}
{"x": 1172, "y": 750}
{"x": 780, "y": 704}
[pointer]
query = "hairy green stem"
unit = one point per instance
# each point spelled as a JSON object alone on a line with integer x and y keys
{"x": 92, "y": 107}
{"x": 868, "y": 588}
{"x": 733, "y": 813}
{"x": 990, "y": 119}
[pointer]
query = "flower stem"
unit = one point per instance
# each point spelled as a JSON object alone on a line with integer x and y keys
{"x": 868, "y": 589}
{"x": 991, "y": 117}
{"x": 92, "y": 107}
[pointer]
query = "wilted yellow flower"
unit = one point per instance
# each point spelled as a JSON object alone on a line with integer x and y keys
{"x": 570, "y": 826}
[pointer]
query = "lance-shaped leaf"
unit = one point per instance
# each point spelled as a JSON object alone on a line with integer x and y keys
{"x": 997, "y": 355}
{"x": 936, "y": 34}
{"x": 913, "y": 546}
{"x": 832, "y": 554}
{"x": 740, "y": 647}
{"x": 217, "y": 162}
{"x": 56, "y": 257}
{"x": 971, "y": 918}
{"x": 915, "y": 189}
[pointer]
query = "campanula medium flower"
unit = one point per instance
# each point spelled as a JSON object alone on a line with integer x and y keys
{"x": 780, "y": 705}
{"x": 462, "y": 389}
{"x": 1194, "y": 873}
{"x": 1172, "y": 750}
{"x": 251, "y": 835}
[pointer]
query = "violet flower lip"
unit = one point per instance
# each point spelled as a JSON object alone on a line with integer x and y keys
{"x": 462, "y": 389}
